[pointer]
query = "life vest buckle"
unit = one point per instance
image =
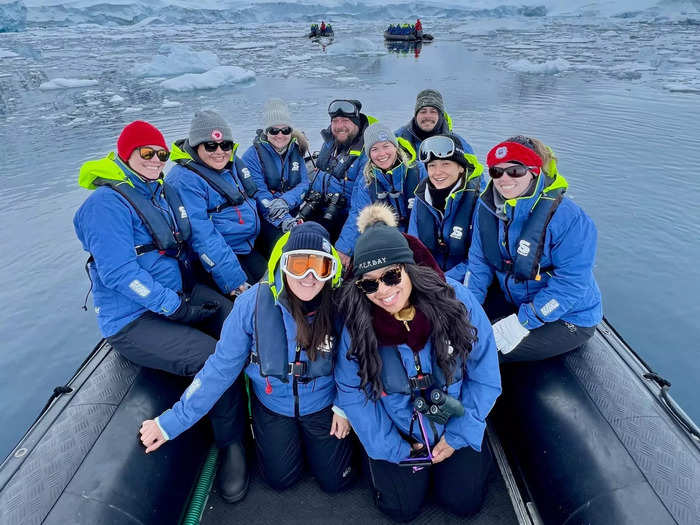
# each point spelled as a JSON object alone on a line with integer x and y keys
{"x": 297, "y": 369}
{"x": 421, "y": 382}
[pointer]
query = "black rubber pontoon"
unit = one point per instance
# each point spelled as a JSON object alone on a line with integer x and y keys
{"x": 409, "y": 38}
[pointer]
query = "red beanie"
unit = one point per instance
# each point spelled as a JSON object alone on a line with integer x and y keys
{"x": 138, "y": 133}
{"x": 512, "y": 151}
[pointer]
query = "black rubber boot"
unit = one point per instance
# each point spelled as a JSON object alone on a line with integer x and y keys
{"x": 233, "y": 473}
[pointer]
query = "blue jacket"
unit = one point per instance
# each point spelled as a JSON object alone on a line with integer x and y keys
{"x": 378, "y": 423}
{"x": 443, "y": 126}
{"x": 395, "y": 180}
{"x": 125, "y": 285}
{"x": 216, "y": 236}
{"x": 289, "y": 174}
{"x": 327, "y": 184}
{"x": 454, "y": 226}
{"x": 569, "y": 290}
{"x": 232, "y": 354}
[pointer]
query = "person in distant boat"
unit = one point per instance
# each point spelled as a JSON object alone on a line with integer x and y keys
{"x": 445, "y": 202}
{"x": 340, "y": 161}
{"x": 429, "y": 119}
{"x": 282, "y": 333}
{"x": 149, "y": 306}
{"x": 417, "y": 373}
{"x": 419, "y": 28}
{"x": 276, "y": 162}
{"x": 541, "y": 248}
{"x": 389, "y": 176}
{"x": 218, "y": 192}
{"x": 323, "y": 27}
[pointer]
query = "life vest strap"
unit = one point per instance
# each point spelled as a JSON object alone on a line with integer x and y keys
{"x": 296, "y": 369}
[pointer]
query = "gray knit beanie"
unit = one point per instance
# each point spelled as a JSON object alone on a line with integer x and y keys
{"x": 208, "y": 125}
{"x": 378, "y": 132}
{"x": 276, "y": 113}
{"x": 430, "y": 97}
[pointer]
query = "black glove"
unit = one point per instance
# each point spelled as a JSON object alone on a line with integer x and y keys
{"x": 187, "y": 313}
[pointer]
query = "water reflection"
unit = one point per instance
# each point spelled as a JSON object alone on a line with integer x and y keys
{"x": 404, "y": 47}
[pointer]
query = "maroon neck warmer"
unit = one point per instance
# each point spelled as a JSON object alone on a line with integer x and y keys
{"x": 391, "y": 331}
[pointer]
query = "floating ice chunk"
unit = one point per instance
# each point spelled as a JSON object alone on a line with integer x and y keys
{"x": 67, "y": 83}
{"x": 212, "y": 79}
{"x": 13, "y": 16}
{"x": 356, "y": 46}
{"x": 550, "y": 67}
{"x": 171, "y": 103}
{"x": 6, "y": 53}
{"x": 116, "y": 99}
{"x": 176, "y": 59}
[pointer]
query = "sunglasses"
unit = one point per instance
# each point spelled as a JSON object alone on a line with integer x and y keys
{"x": 226, "y": 145}
{"x": 515, "y": 172}
{"x": 342, "y": 108}
{"x": 299, "y": 264}
{"x": 147, "y": 153}
{"x": 390, "y": 278}
{"x": 277, "y": 131}
{"x": 440, "y": 147}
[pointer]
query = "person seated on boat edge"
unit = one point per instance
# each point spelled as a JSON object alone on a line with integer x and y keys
{"x": 339, "y": 162}
{"x": 282, "y": 332}
{"x": 218, "y": 192}
{"x": 276, "y": 163}
{"x": 412, "y": 336}
{"x": 541, "y": 247}
{"x": 149, "y": 308}
{"x": 389, "y": 176}
{"x": 429, "y": 119}
{"x": 446, "y": 201}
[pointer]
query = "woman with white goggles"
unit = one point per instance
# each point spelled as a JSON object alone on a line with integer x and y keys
{"x": 282, "y": 332}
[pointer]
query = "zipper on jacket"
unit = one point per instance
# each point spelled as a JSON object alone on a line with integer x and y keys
{"x": 508, "y": 274}
{"x": 295, "y": 384}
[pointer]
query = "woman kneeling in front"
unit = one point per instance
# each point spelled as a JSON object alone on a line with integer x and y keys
{"x": 282, "y": 332}
{"x": 417, "y": 373}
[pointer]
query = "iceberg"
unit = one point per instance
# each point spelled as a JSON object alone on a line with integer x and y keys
{"x": 177, "y": 59}
{"x": 67, "y": 83}
{"x": 13, "y": 16}
{"x": 212, "y": 79}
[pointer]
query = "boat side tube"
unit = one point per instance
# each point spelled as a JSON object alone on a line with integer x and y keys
{"x": 594, "y": 442}
{"x": 82, "y": 460}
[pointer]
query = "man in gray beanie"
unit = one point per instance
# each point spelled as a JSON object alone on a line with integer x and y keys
{"x": 429, "y": 118}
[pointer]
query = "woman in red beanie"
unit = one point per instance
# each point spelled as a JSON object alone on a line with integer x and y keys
{"x": 148, "y": 306}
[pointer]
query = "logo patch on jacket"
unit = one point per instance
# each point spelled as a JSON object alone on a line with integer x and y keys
{"x": 183, "y": 212}
{"x": 524, "y": 248}
{"x": 295, "y": 166}
{"x": 549, "y": 307}
{"x": 457, "y": 232}
{"x": 246, "y": 173}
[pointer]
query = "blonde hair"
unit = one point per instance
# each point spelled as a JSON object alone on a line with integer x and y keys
{"x": 539, "y": 147}
{"x": 368, "y": 171}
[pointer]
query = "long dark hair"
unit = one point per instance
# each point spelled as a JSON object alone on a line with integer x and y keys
{"x": 312, "y": 335}
{"x": 435, "y": 299}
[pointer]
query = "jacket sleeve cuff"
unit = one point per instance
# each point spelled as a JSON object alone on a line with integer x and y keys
{"x": 528, "y": 317}
{"x": 160, "y": 423}
{"x": 339, "y": 411}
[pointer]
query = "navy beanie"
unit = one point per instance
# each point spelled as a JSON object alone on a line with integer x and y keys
{"x": 309, "y": 236}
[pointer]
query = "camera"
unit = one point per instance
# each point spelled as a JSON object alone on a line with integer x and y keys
{"x": 310, "y": 205}
{"x": 336, "y": 204}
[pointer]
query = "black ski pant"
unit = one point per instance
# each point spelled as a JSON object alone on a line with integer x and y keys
{"x": 549, "y": 340}
{"x": 282, "y": 443}
{"x": 156, "y": 342}
{"x": 458, "y": 483}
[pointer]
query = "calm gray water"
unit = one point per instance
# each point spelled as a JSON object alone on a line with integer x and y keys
{"x": 617, "y": 103}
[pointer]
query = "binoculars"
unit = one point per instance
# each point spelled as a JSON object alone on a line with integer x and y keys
{"x": 439, "y": 407}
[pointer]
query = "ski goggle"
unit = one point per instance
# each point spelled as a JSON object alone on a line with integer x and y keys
{"x": 299, "y": 264}
{"x": 276, "y": 131}
{"x": 440, "y": 147}
{"x": 516, "y": 171}
{"x": 147, "y": 153}
{"x": 226, "y": 145}
{"x": 342, "y": 108}
{"x": 390, "y": 278}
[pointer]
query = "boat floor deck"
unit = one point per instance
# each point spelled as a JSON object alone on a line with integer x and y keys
{"x": 306, "y": 503}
